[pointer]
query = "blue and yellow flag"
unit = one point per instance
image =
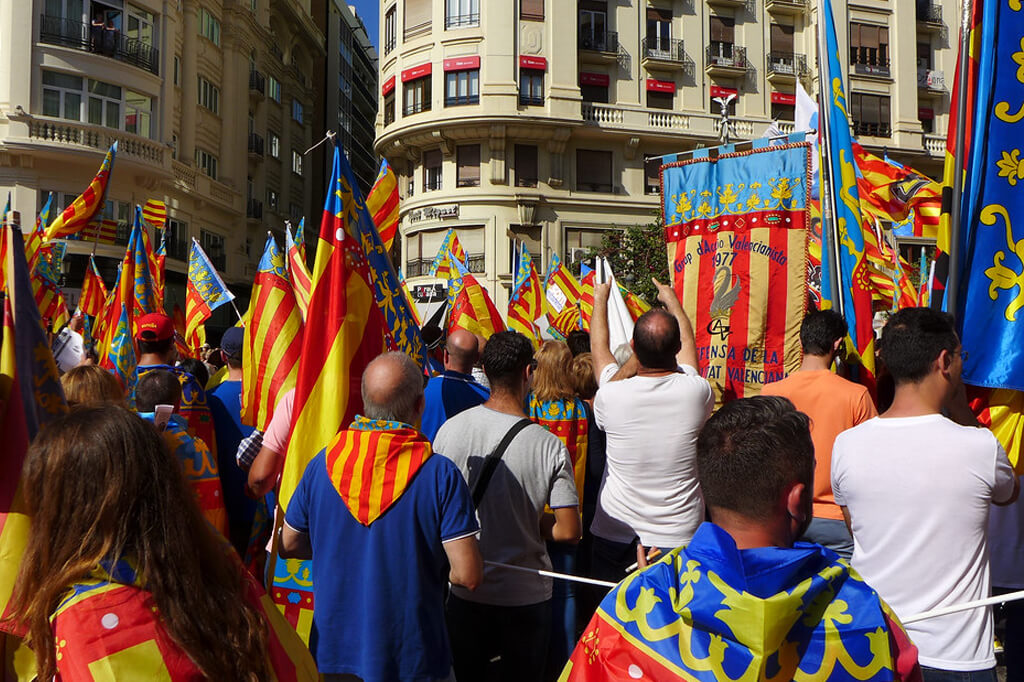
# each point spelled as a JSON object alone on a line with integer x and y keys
{"x": 991, "y": 292}
{"x": 205, "y": 290}
{"x": 451, "y": 250}
{"x": 845, "y": 234}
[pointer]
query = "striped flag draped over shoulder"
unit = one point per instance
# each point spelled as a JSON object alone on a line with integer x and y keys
{"x": 205, "y": 291}
{"x": 272, "y": 341}
{"x": 81, "y": 211}
{"x": 382, "y": 202}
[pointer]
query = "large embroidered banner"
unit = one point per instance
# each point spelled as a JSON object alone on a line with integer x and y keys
{"x": 736, "y": 227}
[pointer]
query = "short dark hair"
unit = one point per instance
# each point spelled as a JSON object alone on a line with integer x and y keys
{"x": 157, "y": 387}
{"x": 578, "y": 342}
{"x": 656, "y": 339}
{"x": 912, "y": 340}
{"x": 505, "y": 356}
{"x": 197, "y": 369}
{"x": 750, "y": 451}
{"x": 820, "y": 330}
{"x": 156, "y": 347}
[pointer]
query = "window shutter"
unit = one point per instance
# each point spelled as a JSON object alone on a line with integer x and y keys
{"x": 468, "y": 165}
{"x": 782, "y": 38}
{"x": 531, "y": 9}
{"x": 657, "y": 14}
{"x": 417, "y": 13}
{"x": 526, "y": 165}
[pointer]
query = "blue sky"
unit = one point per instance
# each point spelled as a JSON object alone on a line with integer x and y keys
{"x": 369, "y": 12}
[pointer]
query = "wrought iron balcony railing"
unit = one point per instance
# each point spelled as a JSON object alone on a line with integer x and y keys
{"x": 89, "y": 38}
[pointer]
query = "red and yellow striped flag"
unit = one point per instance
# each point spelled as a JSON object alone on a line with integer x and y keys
{"x": 101, "y": 231}
{"x": 94, "y": 291}
{"x": 471, "y": 309}
{"x": 371, "y": 463}
{"x": 298, "y": 273}
{"x": 181, "y": 342}
{"x": 82, "y": 210}
{"x": 527, "y": 302}
{"x": 272, "y": 341}
{"x": 382, "y": 203}
{"x": 46, "y": 289}
{"x": 566, "y": 321}
{"x": 155, "y": 213}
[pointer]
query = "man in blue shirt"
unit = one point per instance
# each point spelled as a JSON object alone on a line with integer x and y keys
{"x": 226, "y": 408}
{"x": 455, "y": 389}
{"x": 380, "y": 539}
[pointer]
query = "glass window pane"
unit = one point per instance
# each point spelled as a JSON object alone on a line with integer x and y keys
{"x": 95, "y": 111}
{"x": 113, "y": 115}
{"x": 51, "y": 103}
{"x": 72, "y": 106}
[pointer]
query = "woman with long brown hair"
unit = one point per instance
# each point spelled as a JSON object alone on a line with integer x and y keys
{"x": 119, "y": 556}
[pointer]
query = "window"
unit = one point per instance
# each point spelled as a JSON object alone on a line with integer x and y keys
{"x": 65, "y": 9}
{"x": 870, "y": 114}
{"x": 140, "y": 25}
{"x": 432, "y": 170}
{"x": 652, "y": 174}
{"x": 723, "y": 35}
{"x": 417, "y": 95}
{"x": 272, "y": 201}
{"x": 177, "y": 70}
{"x": 531, "y": 87}
{"x": 209, "y": 95}
{"x": 389, "y": 30}
{"x": 389, "y": 108}
{"x": 594, "y": 93}
{"x": 581, "y": 241}
{"x": 781, "y": 58}
{"x": 526, "y": 165}
{"x": 138, "y": 114}
{"x": 174, "y": 146}
{"x": 467, "y": 165}
{"x": 659, "y": 100}
{"x": 594, "y": 27}
{"x": 531, "y": 9}
{"x": 209, "y": 26}
{"x": 461, "y": 13}
{"x": 659, "y": 31}
{"x": 206, "y": 162}
{"x": 869, "y": 49}
{"x": 783, "y": 112}
{"x": 295, "y": 211}
{"x": 417, "y": 17}
{"x": 176, "y": 233}
{"x": 924, "y": 55}
{"x": 462, "y": 87}
{"x": 213, "y": 245}
{"x": 274, "y": 89}
{"x": 104, "y": 104}
{"x": 593, "y": 171}
{"x": 296, "y": 162}
{"x": 275, "y": 145}
{"x": 296, "y": 110}
{"x": 62, "y": 96}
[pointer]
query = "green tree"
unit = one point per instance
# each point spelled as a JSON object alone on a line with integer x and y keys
{"x": 637, "y": 253}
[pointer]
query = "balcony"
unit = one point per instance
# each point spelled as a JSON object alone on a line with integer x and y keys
{"x": 456, "y": 101}
{"x": 597, "y": 47}
{"x": 727, "y": 3}
{"x": 462, "y": 20}
{"x": 80, "y": 36}
{"x": 418, "y": 267}
{"x": 929, "y": 16}
{"x": 98, "y": 138}
{"x": 865, "y": 129}
{"x": 725, "y": 59}
{"x": 256, "y": 145}
{"x": 935, "y": 145}
{"x": 931, "y": 82}
{"x": 786, "y": 67}
{"x": 257, "y": 82}
{"x": 530, "y": 100}
{"x": 866, "y": 65}
{"x": 415, "y": 108}
{"x": 786, "y": 7}
{"x": 254, "y": 209}
{"x": 662, "y": 52}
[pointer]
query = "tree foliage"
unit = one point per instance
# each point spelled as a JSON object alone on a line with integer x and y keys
{"x": 637, "y": 253}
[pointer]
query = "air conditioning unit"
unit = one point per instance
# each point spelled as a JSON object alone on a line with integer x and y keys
{"x": 577, "y": 253}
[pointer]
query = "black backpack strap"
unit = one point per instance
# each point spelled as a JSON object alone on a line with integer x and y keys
{"x": 491, "y": 462}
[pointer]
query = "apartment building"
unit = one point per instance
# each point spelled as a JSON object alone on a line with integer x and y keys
{"x": 541, "y": 120}
{"x": 210, "y": 102}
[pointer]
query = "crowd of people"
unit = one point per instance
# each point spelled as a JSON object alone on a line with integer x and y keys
{"x": 785, "y": 536}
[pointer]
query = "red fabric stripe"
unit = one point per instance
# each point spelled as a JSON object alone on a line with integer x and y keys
{"x": 370, "y": 444}
{"x": 390, "y": 481}
{"x": 705, "y": 285}
{"x": 778, "y": 301}
{"x": 739, "y": 320}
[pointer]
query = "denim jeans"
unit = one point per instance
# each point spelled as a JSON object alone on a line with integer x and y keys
{"x": 936, "y": 675}
{"x": 563, "y": 609}
{"x": 518, "y": 634}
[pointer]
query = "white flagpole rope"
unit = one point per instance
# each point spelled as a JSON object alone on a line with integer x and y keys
{"x": 552, "y": 574}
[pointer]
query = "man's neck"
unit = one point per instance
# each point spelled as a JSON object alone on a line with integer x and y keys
{"x": 459, "y": 370}
{"x": 151, "y": 359}
{"x": 917, "y": 400}
{"x": 751, "y": 534}
{"x": 812, "y": 363}
{"x": 642, "y": 371}
{"x": 234, "y": 373}
{"x": 505, "y": 401}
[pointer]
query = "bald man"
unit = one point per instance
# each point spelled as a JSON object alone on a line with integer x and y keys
{"x": 455, "y": 389}
{"x": 380, "y": 546}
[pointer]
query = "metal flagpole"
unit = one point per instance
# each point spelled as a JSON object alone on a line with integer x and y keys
{"x": 830, "y": 248}
{"x": 953, "y": 278}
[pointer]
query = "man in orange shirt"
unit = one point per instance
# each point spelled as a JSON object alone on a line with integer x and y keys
{"x": 834, "y": 405}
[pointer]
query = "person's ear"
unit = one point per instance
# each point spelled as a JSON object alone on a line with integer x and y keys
{"x": 795, "y": 502}
{"x": 836, "y": 345}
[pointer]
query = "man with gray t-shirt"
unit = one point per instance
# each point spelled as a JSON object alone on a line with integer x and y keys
{"x": 509, "y": 614}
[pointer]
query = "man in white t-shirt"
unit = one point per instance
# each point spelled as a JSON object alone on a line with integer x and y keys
{"x": 916, "y": 487}
{"x": 652, "y": 418}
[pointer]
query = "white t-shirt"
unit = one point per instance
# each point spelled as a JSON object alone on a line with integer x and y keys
{"x": 919, "y": 490}
{"x": 650, "y": 484}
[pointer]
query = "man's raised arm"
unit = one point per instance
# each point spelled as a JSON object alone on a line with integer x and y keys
{"x": 687, "y": 354}
{"x": 600, "y": 350}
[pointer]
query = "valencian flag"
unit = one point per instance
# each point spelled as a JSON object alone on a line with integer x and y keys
{"x": 30, "y": 396}
{"x": 300, "y": 240}
{"x": 527, "y": 302}
{"x": 382, "y": 203}
{"x": 346, "y": 332}
{"x": 470, "y": 308}
{"x": 155, "y": 213}
{"x": 160, "y": 269}
{"x": 560, "y": 287}
{"x": 34, "y": 239}
{"x": 185, "y": 347}
{"x": 298, "y": 272}
{"x": 272, "y": 340}
{"x": 100, "y": 230}
{"x": 845, "y": 236}
{"x": 115, "y": 348}
{"x": 147, "y": 276}
{"x": 408, "y": 300}
{"x": 46, "y": 287}
{"x": 736, "y": 228}
{"x": 205, "y": 291}
{"x": 889, "y": 191}
{"x": 90, "y": 202}
{"x": 566, "y": 321}
{"x": 450, "y": 252}
{"x": 94, "y": 291}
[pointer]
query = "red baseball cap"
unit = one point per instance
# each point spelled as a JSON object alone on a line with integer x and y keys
{"x": 155, "y": 327}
